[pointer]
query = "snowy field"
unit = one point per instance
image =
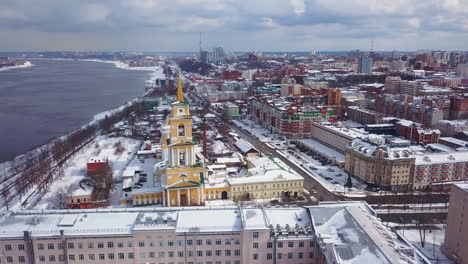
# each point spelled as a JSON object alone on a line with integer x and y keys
{"x": 118, "y": 150}
{"x": 434, "y": 240}
{"x": 331, "y": 177}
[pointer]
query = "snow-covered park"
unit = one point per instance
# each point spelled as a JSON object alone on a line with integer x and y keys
{"x": 119, "y": 152}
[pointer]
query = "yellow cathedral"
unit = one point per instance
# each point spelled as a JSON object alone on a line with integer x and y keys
{"x": 181, "y": 175}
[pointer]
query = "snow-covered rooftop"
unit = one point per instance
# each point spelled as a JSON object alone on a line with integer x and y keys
{"x": 351, "y": 233}
{"x": 102, "y": 222}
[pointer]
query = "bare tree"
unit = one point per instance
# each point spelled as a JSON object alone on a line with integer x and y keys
{"x": 60, "y": 197}
{"x": 6, "y": 195}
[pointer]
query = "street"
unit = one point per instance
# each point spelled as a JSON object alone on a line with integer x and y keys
{"x": 310, "y": 183}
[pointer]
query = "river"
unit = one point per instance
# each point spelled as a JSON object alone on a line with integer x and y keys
{"x": 55, "y": 97}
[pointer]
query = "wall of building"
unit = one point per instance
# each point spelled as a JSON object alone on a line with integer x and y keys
{"x": 456, "y": 240}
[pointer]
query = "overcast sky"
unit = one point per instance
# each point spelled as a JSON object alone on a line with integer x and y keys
{"x": 236, "y": 25}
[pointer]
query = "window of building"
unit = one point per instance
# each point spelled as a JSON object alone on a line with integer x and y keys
{"x": 121, "y": 255}
{"x": 70, "y": 245}
{"x": 181, "y": 130}
{"x": 311, "y": 243}
{"x": 22, "y": 259}
{"x": 290, "y": 244}
{"x": 227, "y": 252}
{"x": 60, "y": 245}
{"x": 300, "y": 255}
{"x": 81, "y": 256}
{"x": 255, "y": 245}
{"x": 180, "y": 243}
{"x": 199, "y": 253}
{"x": 50, "y": 246}
{"x": 255, "y": 234}
{"x": 180, "y": 254}
{"x": 91, "y": 256}
{"x": 237, "y": 252}
{"x": 130, "y": 255}
{"x": 290, "y": 255}
{"x": 120, "y": 244}
{"x": 279, "y": 256}
{"x": 199, "y": 242}
{"x": 208, "y": 242}
{"x": 255, "y": 257}
{"x": 9, "y": 259}
{"x": 129, "y": 244}
{"x": 61, "y": 258}
{"x": 280, "y": 244}
{"x": 170, "y": 243}
{"x": 170, "y": 254}
{"x": 142, "y": 255}
{"x": 41, "y": 259}
{"x": 269, "y": 245}
{"x": 100, "y": 244}
{"x": 218, "y": 253}
{"x": 209, "y": 253}
{"x": 40, "y": 246}
{"x": 110, "y": 256}
{"x": 51, "y": 258}
{"x": 189, "y": 254}
{"x": 110, "y": 244}
{"x": 311, "y": 255}
{"x": 269, "y": 256}
{"x": 189, "y": 242}
{"x": 141, "y": 243}
{"x": 71, "y": 257}
{"x": 301, "y": 243}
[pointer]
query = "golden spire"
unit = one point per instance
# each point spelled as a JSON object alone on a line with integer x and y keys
{"x": 180, "y": 94}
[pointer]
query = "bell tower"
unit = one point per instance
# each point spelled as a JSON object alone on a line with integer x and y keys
{"x": 184, "y": 175}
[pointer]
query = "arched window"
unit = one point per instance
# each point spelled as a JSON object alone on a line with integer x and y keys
{"x": 182, "y": 161}
{"x": 181, "y": 130}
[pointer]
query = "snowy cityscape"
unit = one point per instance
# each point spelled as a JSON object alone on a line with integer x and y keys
{"x": 224, "y": 153}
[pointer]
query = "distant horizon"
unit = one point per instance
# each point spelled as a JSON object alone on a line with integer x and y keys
{"x": 246, "y": 51}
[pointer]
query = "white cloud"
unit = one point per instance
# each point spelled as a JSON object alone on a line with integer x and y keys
{"x": 299, "y": 6}
{"x": 414, "y": 22}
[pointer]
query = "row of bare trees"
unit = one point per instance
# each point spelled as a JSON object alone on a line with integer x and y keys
{"x": 34, "y": 168}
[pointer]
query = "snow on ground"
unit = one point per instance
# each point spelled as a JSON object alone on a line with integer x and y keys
{"x": 434, "y": 240}
{"x": 331, "y": 177}
{"x": 74, "y": 170}
{"x": 146, "y": 166}
{"x": 219, "y": 148}
{"x": 258, "y": 131}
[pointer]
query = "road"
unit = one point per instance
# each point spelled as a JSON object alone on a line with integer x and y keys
{"x": 309, "y": 183}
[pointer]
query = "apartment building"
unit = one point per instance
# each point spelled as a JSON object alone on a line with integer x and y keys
{"x": 384, "y": 165}
{"x": 286, "y": 118}
{"x": 433, "y": 168}
{"x": 227, "y": 235}
{"x": 335, "y": 137}
{"x": 363, "y": 116}
{"x": 456, "y": 240}
{"x": 201, "y": 235}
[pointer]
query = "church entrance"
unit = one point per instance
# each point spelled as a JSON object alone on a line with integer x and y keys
{"x": 224, "y": 195}
{"x": 183, "y": 200}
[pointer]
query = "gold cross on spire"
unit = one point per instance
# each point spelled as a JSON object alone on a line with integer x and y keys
{"x": 180, "y": 94}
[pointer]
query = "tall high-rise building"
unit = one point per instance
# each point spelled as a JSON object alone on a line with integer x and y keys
{"x": 218, "y": 55}
{"x": 204, "y": 56}
{"x": 365, "y": 65}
